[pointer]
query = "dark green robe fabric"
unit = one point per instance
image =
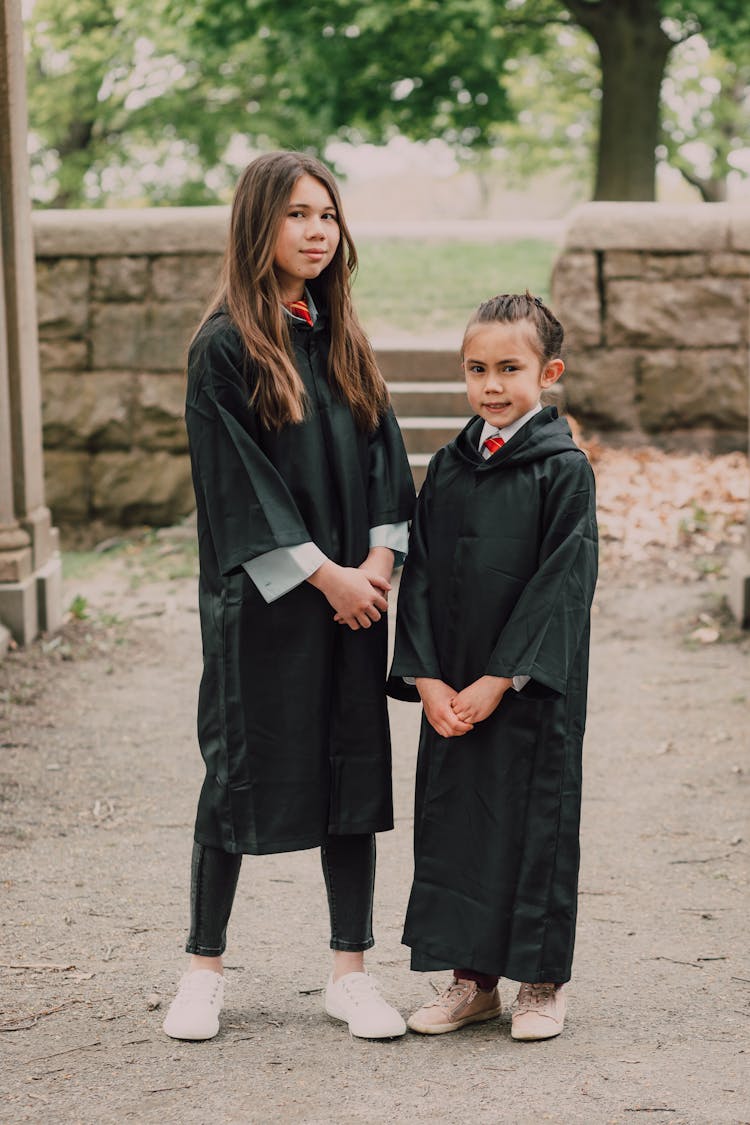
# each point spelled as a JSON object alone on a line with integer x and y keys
{"x": 292, "y": 718}
{"x": 499, "y": 581}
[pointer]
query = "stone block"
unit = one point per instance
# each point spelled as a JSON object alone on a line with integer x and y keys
{"x": 674, "y": 265}
{"x": 67, "y": 483}
{"x": 159, "y": 416}
{"x": 575, "y": 298}
{"x": 62, "y": 289}
{"x": 57, "y": 355}
{"x": 131, "y": 231}
{"x": 739, "y": 228}
{"x": 115, "y": 334}
{"x": 692, "y": 388}
{"x": 185, "y": 277}
{"x": 15, "y": 565}
{"x": 650, "y": 226}
{"x": 623, "y": 263}
{"x": 640, "y": 264}
{"x": 19, "y": 610}
{"x": 143, "y": 337}
{"x": 120, "y": 279}
{"x": 729, "y": 264}
{"x": 88, "y": 410}
{"x": 601, "y": 388}
{"x": 142, "y": 487}
{"x": 692, "y": 313}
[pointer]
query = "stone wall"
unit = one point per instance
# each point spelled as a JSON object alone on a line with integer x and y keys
{"x": 656, "y": 302}
{"x": 119, "y": 295}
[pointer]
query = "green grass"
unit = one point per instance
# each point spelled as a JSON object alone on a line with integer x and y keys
{"x": 423, "y": 287}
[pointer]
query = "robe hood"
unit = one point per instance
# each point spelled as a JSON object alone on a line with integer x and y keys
{"x": 542, "y": 436}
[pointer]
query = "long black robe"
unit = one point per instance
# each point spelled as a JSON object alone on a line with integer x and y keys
{"x": 499, "y": 581}
{"x": 292, "y": 718}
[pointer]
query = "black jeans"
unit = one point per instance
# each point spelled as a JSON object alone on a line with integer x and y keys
{"x": 349, "y": 873}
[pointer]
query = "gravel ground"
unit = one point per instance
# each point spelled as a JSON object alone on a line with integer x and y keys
{"x": 99, "y": 776}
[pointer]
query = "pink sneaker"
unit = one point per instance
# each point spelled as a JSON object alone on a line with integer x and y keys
{"x": 539, "y": 1012}
{"x": 460, "y": 1003}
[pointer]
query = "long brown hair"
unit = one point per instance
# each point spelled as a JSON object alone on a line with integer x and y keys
{"x": 250, "y": 291}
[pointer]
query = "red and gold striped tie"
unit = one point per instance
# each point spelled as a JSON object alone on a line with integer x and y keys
{"x": 493, "y": 444}
{"x": 300, "y": 309}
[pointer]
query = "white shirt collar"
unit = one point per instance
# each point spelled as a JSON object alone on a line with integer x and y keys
{"x": 506, "y": 433}
{"x": 307, "y": 297}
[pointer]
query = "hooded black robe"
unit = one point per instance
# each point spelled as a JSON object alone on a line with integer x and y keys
{"x": 292, "y": 718}
{"x": 499, "y": 581}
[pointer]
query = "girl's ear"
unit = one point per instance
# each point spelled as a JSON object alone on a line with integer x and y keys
{"x": 552, "y": 372}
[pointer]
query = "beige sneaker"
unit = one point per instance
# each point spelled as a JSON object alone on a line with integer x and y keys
{"x": 539, "y": 1012}
{"x": 462, "y": 1002}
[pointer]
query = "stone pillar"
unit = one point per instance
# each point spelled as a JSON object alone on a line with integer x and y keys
{"x": 30, "y": 569}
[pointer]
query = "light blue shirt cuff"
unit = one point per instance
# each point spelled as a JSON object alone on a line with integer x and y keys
{"x": 519, "y": 682}
{"x": 277, "y": 572}
{"x": 395, "y": 536}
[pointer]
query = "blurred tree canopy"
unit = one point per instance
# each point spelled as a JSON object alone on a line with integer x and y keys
{"x": 181, "y": 90}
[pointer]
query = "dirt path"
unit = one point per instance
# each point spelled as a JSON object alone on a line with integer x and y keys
{"x": 99, "y": 775}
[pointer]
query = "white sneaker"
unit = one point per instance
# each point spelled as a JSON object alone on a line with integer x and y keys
{"x": 194, "y": 1012}
{"x": 539, "y": 1012}
{"x": 355, "y": 999}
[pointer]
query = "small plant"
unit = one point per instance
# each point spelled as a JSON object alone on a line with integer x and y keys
{"x": 697, "y": 521}
{"x": 78, "y": 608}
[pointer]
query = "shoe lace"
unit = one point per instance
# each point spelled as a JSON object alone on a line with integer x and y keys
{"x": 194, "y": 986}
{"x": 447, "y": 999}
{"x": 534, "y": 996}
{"x": 363, "y": 989}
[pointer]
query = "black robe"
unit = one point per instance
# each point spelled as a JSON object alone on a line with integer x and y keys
{"x": 292, "y": 717}
{"x": 499, "y": 581}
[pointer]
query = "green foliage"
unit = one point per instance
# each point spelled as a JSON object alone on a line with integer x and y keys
{"x": 160, "y": 102}
{"x": 78, "y": 608}
{"x": 706, "y": 112}
{"x": 113, "y": 88}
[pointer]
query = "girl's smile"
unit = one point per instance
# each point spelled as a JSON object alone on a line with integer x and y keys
{"x": 308, "y": 238}
{"x": 504, "y": 374}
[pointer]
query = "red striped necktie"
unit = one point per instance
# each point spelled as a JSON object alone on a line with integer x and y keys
{"x": 493, "y": 444}
{"x": 300, "y": 309}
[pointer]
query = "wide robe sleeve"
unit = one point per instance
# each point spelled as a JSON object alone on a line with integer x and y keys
{"x": 543, "y": 633}
{"x": 415, "y": 652}
{"x": 390, "y": 485}
{"x": 249, "y": 508}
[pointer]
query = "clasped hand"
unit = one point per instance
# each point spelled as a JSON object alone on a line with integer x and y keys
{"x": 453, "y": 713}
{"x": 357, "y": 594}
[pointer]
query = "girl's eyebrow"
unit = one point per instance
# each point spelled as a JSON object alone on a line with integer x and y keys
{"x": 309, "y": 207}
{"x": 484, "y": 362}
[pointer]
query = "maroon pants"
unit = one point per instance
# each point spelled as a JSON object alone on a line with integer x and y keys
{"x": 484, "y": 980}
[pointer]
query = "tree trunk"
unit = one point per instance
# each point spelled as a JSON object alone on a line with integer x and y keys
{"x": 633, "y": 50}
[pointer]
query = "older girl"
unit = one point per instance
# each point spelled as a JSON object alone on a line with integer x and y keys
{"x": 303, "y": 491}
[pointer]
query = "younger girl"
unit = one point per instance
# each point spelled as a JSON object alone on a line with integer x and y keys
{"x": 493, "y": 621}
{"x": 302, "y": 489}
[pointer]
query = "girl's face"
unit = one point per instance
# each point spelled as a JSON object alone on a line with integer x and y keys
{"x": 308, "y": 237}
{"x": 503, "y": 372}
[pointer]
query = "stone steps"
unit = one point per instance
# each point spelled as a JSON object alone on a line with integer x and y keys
{"x": 426, "y": 434}
{"x": 418, "y": 363}
{"x": 428, "y": 396}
